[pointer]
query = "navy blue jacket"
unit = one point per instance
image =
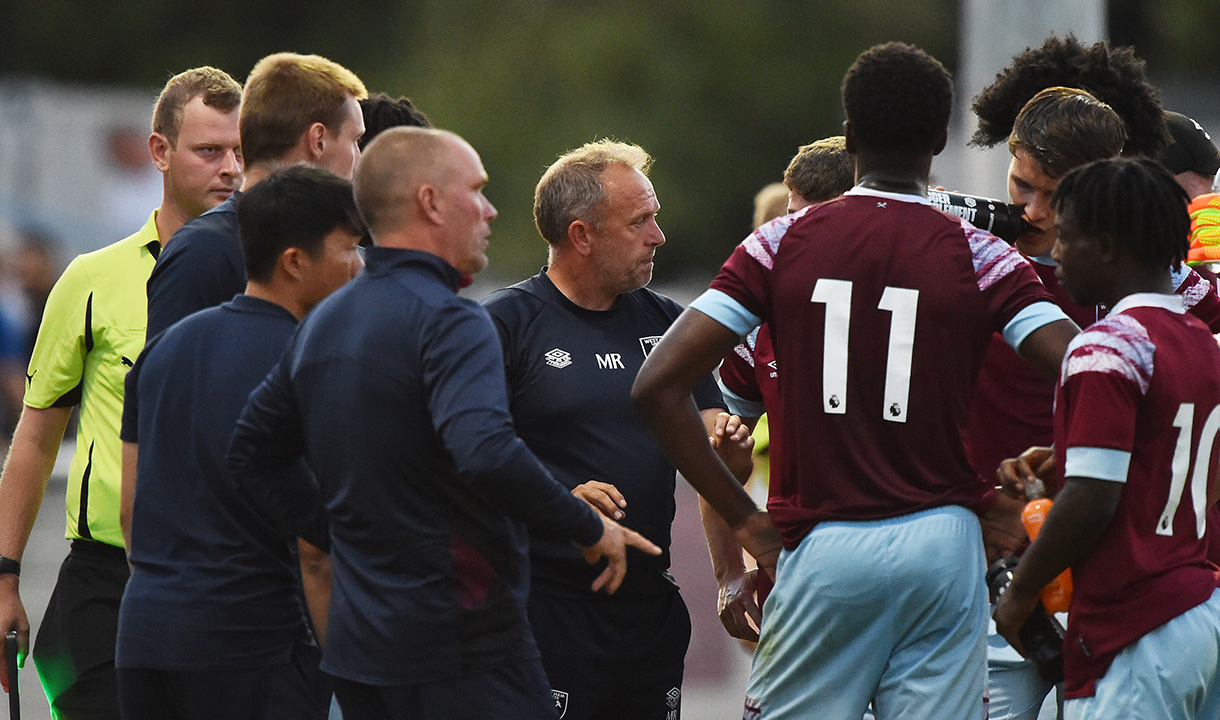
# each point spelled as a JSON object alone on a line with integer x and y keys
{"x": 201, "y": 267}
{"x": 214, "y": 584}
{"x": 394, "y": 390}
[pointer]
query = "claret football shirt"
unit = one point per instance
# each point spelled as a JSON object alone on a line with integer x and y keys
{"x": 1138, "y": 403}
{"x": 880, "y": 309}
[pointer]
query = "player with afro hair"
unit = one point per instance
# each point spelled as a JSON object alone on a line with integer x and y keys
{"x": 382, "y": 112}
{"x": 1113, "y": 75}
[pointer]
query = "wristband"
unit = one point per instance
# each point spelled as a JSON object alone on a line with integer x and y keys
{"x": 9, "y": 566}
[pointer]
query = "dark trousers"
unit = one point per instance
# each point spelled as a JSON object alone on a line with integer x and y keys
{"x": 296, "y": 690}
{"x": 609, "y": 659}
{"x": 74, "y": 649}
{"x": 514, "y": 691}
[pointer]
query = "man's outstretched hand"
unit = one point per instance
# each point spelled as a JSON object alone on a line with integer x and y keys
{"x": 613, "y": 546}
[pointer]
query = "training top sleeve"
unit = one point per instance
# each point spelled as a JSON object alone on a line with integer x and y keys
{"x": 265, "y": 458}
{"x": 463, "y": 373}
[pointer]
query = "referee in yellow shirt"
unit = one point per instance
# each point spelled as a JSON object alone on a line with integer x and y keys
{"x": 91, "y": 333}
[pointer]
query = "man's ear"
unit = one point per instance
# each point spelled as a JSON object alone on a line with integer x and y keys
{"x": 940, "y": 145}
{"x": 315, "y": 141}
{"x": 849, "y": 138}
{"x": 292, "y": 262}
{"x": 429, "y": 204}
{"x": 158, "y": 148}
{"x": 580, "y": 235}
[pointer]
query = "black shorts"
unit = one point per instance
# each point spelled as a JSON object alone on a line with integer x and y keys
{"x": 513, "y": 691}
{"x": 296, "y": 690}
{"x": 611, "y": 659}
{"x": 74, "y": 649}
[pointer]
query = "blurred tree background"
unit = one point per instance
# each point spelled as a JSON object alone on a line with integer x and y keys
{"x": 721, "y": 92}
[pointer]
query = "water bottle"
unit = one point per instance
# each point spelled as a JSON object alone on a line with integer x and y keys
{"x": 995, "y": 216}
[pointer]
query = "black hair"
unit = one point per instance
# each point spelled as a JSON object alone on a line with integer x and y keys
{"x": 382, "y": 112}
{"x": 297, "y": 206}
{"x": 1135, "y": 202}
{"x": 1113, "y": 75}
{"x": 897, "y": 98}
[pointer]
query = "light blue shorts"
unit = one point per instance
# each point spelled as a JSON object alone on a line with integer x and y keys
{"x": 893, "y": 611}
{"x": 1170, "y": 673}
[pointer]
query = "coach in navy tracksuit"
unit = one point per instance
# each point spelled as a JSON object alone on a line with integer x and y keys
{"x": 212, "y": 623}
{"x": 394, "y": 391}
{"x": 574, "y": 337}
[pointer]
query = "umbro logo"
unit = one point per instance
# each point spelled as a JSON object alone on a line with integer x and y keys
{"x": 673, "y": 697}
{"x": 557, "y": 358}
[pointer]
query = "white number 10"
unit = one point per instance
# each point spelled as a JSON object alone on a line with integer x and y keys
{"x": 1184, "y": 421}
{"x": 901, "y": 304}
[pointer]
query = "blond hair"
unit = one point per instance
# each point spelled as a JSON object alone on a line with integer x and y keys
{"x": 821, "y": 170}
{"x": 571, "y": 189}
{"x": 770, "y": 203}
{"x": 285, "y": 94}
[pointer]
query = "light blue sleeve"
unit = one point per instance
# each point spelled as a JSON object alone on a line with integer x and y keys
{"x": 1100, "y": 463}
{"x": 726, "y": 311}
{"x": 741, "y": 407}
{"x": 1030, "y": 319}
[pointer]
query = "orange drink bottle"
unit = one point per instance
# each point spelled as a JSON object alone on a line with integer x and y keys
{"x": 1057, "y": 596}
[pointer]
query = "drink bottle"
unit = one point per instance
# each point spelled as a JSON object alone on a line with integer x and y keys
{"x": 1057, "y": 596}
{"x": 995, "y": 216}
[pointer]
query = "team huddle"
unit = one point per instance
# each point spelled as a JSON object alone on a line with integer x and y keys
{"x": 311, "y": 478}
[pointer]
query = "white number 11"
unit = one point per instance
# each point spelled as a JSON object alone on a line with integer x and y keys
{"x": 901, "y": 304}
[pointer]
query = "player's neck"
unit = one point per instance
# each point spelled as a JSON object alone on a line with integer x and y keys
{"x": 257, "y": 173}
{"x": 1134, "y": 283}
{"x": 894, "y": 172}
{"x": 170, "y": 217}
{"x": 583, "y": 291}
{"x": 276, "y": 293}
{"x": 894, "y": 184}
